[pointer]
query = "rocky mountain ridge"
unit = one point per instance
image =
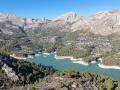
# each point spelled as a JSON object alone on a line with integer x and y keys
{"x": 103, "y": 23}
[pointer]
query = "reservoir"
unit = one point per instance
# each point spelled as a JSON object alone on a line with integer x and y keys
{"x": 67, "y": 64}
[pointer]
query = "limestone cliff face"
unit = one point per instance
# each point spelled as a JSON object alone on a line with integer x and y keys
{"x": 11, "y": 18}
{"x": 68, "y": 17}
{"x": 13, "y": 25}
{"x": 103, "y": 23}
{"x": 18, "y": 20}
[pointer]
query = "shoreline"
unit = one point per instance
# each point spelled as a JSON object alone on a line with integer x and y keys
{"x": 93, "y": 62}
{"x": 108, "y": 67}
{"x": 101, "y": 65}
{"x": 20, "y": 58}
{"x": 46, "y": 53}
{"x": 30, "y": 56}
{"x": 79, "y": 60}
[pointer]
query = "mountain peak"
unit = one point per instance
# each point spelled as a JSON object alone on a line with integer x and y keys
{"x": 70, "y": 14}
{"x": 68, "y": 17}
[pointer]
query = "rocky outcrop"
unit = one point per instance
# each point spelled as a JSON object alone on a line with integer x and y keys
{"x": 68, "y": 17}
{"x": 10, "y": 73}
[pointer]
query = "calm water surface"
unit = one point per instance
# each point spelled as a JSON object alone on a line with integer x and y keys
{"x": 65, "y": 64}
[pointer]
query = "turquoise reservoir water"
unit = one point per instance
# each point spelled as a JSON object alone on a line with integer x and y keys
{"x": 65, "y": 64}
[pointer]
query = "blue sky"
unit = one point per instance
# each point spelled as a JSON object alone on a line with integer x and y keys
{"x": 53, "y": 8}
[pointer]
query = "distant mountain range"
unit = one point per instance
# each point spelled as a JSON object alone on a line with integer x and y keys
{"x": 103, "y": 23}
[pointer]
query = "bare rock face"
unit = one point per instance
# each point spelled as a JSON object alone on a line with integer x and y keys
{"x": 16, "y": 26}
{"x": 3, "y": 17}
{"x": 33, "y": 23}
{"x": 11, "y": 25}
{"x": 103, "y": 23}
{"x": 20, "y": 21}
{"x": 68, "y": 17}
{"x": 11, "y": 18}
